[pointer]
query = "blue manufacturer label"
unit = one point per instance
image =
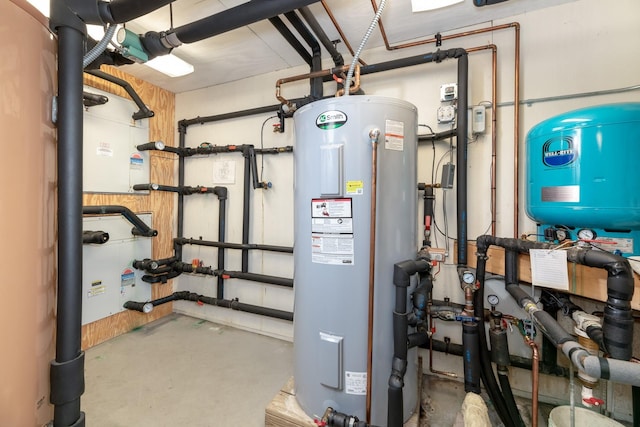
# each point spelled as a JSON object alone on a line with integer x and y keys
{"x": 559, "y": 151}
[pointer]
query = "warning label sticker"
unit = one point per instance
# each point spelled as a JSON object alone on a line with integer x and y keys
{"x": 331, "y": 208}
{"x": 332, "y": 225}
{"x": 394, "y": 135}
{"x": 355, "y": 187}
{"x": 334, "y": 249}
{"x": 611, "y": 244}
{"x": 355, "y": 382}
{"x": 97, "y": 288}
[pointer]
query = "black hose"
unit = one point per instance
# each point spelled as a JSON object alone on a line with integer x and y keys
{"x": 505, "y": 386}
{"x": 635, "y": 395}
{"x": 486, "y": 371}
{"x": 143, "y": 111}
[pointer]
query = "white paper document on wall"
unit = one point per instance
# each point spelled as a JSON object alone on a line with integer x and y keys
{"x": 549, "y": 269}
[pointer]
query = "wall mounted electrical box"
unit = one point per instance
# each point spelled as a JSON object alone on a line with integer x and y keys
{"x": 448, "y": 92}
{"x": 108, "y": 279}
{"x": 446, "y": 114}
{"x": 478, "y": 119}
{"x": 112, "y": 164}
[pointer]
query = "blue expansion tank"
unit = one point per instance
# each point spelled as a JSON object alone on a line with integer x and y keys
{"x": 584, "y": 173}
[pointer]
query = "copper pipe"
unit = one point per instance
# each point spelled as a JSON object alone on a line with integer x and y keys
{"x": 373, "y": 135}
{"x": 516, "y": 133}
{"x": 314, "y": 74}
{"x": 534, "y": 380}
{"x": 494, "y": 136}
{"x": 339, "y": 29}
{"x": 356, "y": 83}
{"x": 435, "y": 371}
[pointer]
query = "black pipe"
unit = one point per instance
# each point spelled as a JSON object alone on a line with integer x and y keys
{"x": 316, "y": 59}
{"x": 186, "y": 190}
{"x": 182, "y": 132}
{"x": 144, "y": 112}
{"x": 461, "y": 159}
{"x": 291, "y": 39}
{"x": 635, "y": 396}
{"x": 222, "y": 225}
{"x": 249, "y": 246}
{"x": 402, "y": 273}
{"x": 507, "y": 392}
{"x": 92, "y": 99}
{"x": 121, "y": 11}
{"x": 471, "y": 357}
{"x": 140, "y": 228}
{"x": 438, "y": 136}
{"x": 246, "y": 208}
{"x": 262, "y": 278}
{"x": 272, "y": 109}
{"x": 236, "y": 17}
{"x": 315, "y": 26}
{"x": 94, "y": 237}
{"x": 486, "y": 371}
{"x": 429, "y": 200}
{"x": 67, "y": 370}
{"x": 618, "y": 321}
{"x": 232, "y": 304}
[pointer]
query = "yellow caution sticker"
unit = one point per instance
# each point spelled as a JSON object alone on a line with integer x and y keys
{"x": 355, "y": 187}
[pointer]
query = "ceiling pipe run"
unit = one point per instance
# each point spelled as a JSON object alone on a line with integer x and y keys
{"x": 240, "y": 16}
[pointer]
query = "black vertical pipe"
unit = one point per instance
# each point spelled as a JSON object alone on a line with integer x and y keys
{"x": 291, "y": 39}
{"x": 471, "y": 357}
{"x": 635, "y": 396}
{"x": 221, "y": 236}
{"x": 246, "y": 206}
{"x": 316, "y": 60}
{"x": 486, "y": 373}
{"x": 182, "y": 130}
{"x": 69, "y": 299}
{"x": 461, "y": 136}
{"x": 428, "y": 213}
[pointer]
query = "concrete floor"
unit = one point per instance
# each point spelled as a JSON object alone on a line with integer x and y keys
{"x": 182, "y": 371}
{"x": 188, "y": 372}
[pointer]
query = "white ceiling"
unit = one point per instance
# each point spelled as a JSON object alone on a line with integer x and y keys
{"x": 259, "y": 48}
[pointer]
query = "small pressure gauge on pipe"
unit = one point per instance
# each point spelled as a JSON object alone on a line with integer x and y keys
{"x": 147, "y": 308}
{"x": 468, "y": 277}
{"x": 561, "y": 234}
{"x": 586, "y": 234}
{"x": 493, "y": 300}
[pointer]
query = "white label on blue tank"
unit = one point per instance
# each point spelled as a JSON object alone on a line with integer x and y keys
{"x": 394, "y": 135}
{"x": 355, "y": 382}
{"x": 331, "y": 119}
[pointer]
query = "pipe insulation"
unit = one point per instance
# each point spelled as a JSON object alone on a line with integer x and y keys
{"x": 618, "y": 320}
{"x": 191, "y": 296}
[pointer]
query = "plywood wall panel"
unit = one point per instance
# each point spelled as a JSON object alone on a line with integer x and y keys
{"x": 161, "y": 205}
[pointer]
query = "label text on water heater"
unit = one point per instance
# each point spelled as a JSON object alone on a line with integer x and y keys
{"x": 332, "y": 119}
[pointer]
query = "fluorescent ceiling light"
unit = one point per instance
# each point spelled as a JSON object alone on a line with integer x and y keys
{"x": 422, "y": 5}
{"x": 170, "y": 65}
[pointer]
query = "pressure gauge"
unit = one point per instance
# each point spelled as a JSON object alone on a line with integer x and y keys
{"x": 493, "y": 300}
{"x": 147, "y": 308}
{"x": 468, "y": 277}
{"x": 561, "y": 234}
{"x": 586, "y": 234}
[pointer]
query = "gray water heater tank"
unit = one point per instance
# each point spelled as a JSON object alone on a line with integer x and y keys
{"x": 333, "y": 181}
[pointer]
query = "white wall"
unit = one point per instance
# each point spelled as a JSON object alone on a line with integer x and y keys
{"x": 578, "y": 47}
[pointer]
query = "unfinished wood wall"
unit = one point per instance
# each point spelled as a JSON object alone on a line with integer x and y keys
{"x": 160, "y": 204}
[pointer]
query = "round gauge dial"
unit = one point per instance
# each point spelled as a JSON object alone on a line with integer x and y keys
{"x": 493, "y": 300}
{"x": 561, "y": 234}
{"x": 468, "y": 277}
{"x": 586, "y": 234}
